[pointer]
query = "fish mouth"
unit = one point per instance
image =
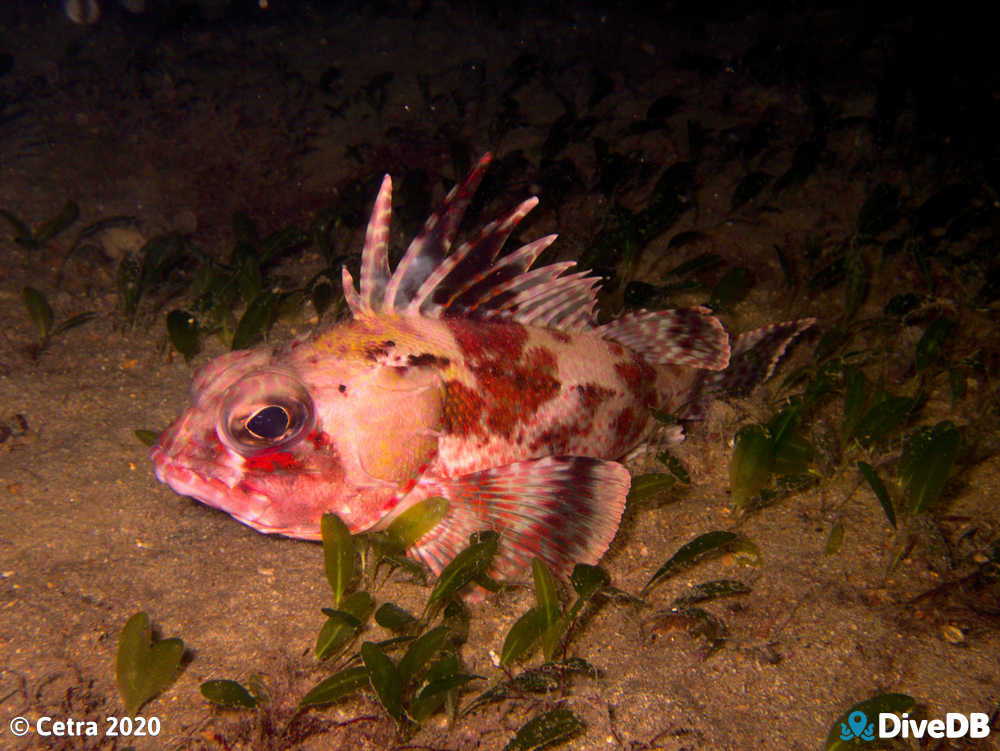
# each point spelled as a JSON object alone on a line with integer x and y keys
{"x": 248, "y": 507}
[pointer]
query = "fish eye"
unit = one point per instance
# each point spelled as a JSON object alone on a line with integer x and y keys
{"x": 264, "y": 411}
{"x": 268, "y": 423}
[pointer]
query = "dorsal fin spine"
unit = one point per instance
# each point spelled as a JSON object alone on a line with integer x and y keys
{"x": 375, "y": 254}
{"x": 478, "y": 280}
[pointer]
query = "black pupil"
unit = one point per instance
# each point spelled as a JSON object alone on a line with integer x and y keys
{"x": 268, "y": 423}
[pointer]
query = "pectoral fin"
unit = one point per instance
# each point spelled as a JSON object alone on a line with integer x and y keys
{"x": 562, "y": 509}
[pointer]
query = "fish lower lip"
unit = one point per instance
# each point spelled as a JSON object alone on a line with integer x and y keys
{"x": 248, "y": 507}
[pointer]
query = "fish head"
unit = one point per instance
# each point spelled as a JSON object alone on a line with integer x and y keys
{"x": 278, "y": 439}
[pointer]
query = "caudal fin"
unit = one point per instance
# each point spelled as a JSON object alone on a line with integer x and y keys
{"x": 755, "y": 355}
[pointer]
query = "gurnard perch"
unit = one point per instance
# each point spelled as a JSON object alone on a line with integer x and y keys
{"x": 462, "y": 374}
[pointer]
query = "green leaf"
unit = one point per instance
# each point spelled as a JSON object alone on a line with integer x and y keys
{"x": 793, "y": 455}
{"x": 731, "y": 289}
{"x": 73, "y": 321}
{"x": 148, "y": 437}
{"x": 417, "y": 521}
{"x": 549, "y": 609}
{"x": 440, "y": 685}
{"x": 256, "y": 320}
{"x": 856, "y": 288}
{"x": 829, "y": 343}
{"x": 543, "y": 679}
{"x": 871, "y": 708}
{"x": 230, "y": 694}
{"x": 675, "y": 466}
{"x": 926, "y": 461}
{"x": 786, "y": 267}
{"x": 22, "y": 233}
{"x": 877, "y": 486}
{"x": 792, "y": 452}
{"x": 711, "y": 590}
{"x": 68, "y": 214}
{"x": 522, "y": 636}
{"x": 39, "y": 311}
{"x": 385, "y": 679}
{"x": 855, "y": 398}
{"x": 338, "y": 555}
{"x": 550, "y": 727}
{"x": 587, "y": 580}
{"x": 342, "y": 616}
{"x": 434, "y": 694}
{"x": 336, "y": 687}
{"x": 143, "y": 669}
{"x": 344, "y": 624}
{"x": 708, "y": 544}
{"x": 647, "y": 486}
{"x": 932, "y": 343}
{"x": 835, "y": 540}
{"x": 182, "y": 328}
{"x": 160, "y": 255}
{"x": 470, "y": 564}
{"x": 257, "y": 689}
{"x": 751, "y": 463}
{"x": 456, "y": 618}
{"x": 394, "y": 618}
{"x": 420, "y": 651}
{"x": 249, "y": 278}
{"x": 748, "y": 188}
{"x": 884, "y": 417}
{"x": 546, "y": 592}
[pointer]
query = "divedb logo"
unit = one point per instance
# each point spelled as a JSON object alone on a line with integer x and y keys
{"x": 954, "y": 725}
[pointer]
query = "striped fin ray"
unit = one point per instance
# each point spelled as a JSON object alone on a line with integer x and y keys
{"x": 499, "y": 300}
{"x": 683, "y": 336}
{"x": 478, "y": 280}
{"x": 429, "y": 248}
{"x": 482, "y": 288}
{"x": 546, "y": 302}
{"x": 562, "y": 509}
{"x": 466, "y": 264}
{"x": 375, "y": 254}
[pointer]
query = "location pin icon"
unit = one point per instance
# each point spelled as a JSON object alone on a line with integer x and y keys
{"x": 857, "y": 721}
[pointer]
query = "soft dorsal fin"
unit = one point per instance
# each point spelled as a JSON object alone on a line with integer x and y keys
{"x": 682, "y": 336}
{"x": 478, "y": 280}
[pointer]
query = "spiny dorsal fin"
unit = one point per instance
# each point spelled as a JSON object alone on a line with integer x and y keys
{"x": 478, "y": 280}
{"x": 431, "y": 246}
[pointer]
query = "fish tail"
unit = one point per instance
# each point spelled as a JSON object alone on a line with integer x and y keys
{"x": 755, "y": 355}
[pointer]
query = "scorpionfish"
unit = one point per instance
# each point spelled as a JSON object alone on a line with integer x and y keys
{"x": 465, "y": 374}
